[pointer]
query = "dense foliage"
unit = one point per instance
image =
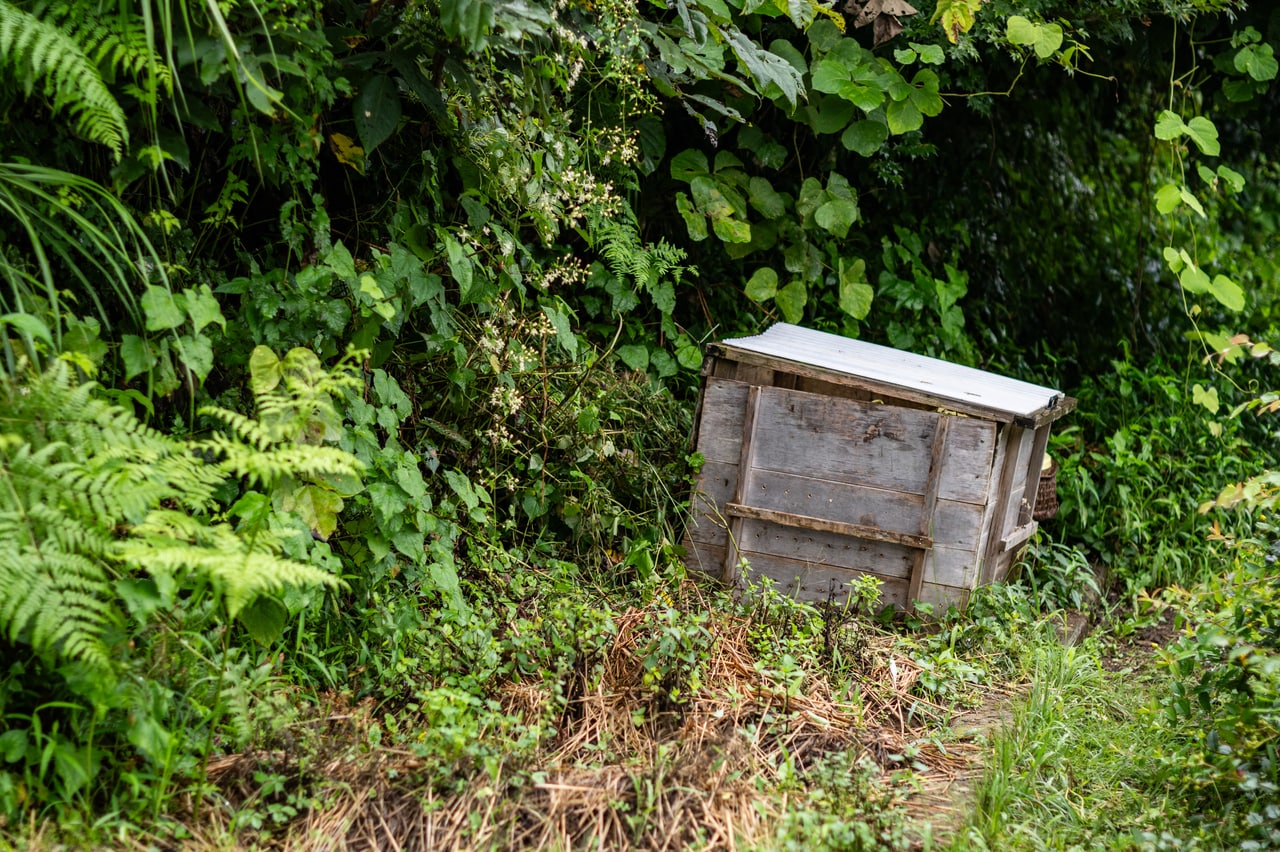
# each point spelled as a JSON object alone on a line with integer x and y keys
{"x": 350, "y": 350}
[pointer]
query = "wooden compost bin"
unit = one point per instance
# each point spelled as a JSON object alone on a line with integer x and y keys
{"x": 828, "y": 458}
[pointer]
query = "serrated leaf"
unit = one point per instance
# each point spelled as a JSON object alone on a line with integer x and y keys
{"x": 564, "y": 331}
{"x": 791, "y": 300}
{"x": 865, "y": 137}
{"x": 203, "y": 308}
{"x": 1169, "y": 125}
{"x": 1228, "y": 293}
{"x": 161, "y": 309}
{"x": 376, "y": 110}
{"x": 196, "y": 354}
{"x": 1203, "y": 132}
{"x": 317, "y": 506}
{"x": 264, "y": 619}
{"x": 762, "y": 285}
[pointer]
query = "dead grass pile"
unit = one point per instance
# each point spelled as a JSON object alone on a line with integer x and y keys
{"x": 628, "y": 766}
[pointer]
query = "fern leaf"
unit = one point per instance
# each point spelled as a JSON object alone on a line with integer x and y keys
{"x": 36, "y": 51}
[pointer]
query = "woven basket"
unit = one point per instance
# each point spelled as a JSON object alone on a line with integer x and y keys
{"x": 1047, "y": 494}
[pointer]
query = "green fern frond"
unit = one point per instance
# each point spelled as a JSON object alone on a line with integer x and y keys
{"x": 36, "y": 51}
{"x": 57, "y": 602}
{"x": 119, "y": 44}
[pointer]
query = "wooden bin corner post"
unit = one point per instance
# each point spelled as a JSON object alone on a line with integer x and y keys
{"x": 933, "y": 484}
{"x": 732, "y": 553}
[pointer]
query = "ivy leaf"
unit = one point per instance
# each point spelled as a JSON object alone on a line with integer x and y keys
{"x": 1207, "y": 398}
{"x": 1203, "y": 132}
{"x": 264, "y": 619}
{"x": 924, "y": 93}
{"x": 1258, "y": 61}
{"x": 376, "y": 110}
{"x": 161, "y": 308}
{"x": 196, "y": 353}
{"x": 791, "y": 300}
{"x": 1020, "y": 31}
{"x": 905, "y": 56}
{"x": 865, "y": 137}
{"x": 1228, "y": 293}
{"x": 762, "y": 285}
{"x": 855, "y": 293}
{"x": 831, "y": 76}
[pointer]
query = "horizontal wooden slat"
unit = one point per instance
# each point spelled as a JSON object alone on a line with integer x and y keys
{"x": 818, "y": 584}
{"x": 826, "y": 549}
{"x": 1018, "y": 537}
{"x": 955, "y": 524}
{"x": 864, "y": 443}
{"x": 809, "y": 522}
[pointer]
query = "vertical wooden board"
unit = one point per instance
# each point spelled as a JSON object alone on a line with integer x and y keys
{"x": 1039, "y": 444}
{"x": 723, "y": 410}
{"x": 716, "y": 485}
{"x": 754, "y": 375}
{"x": 1021, "y": 443}
{"x": 940, "y": 597}
{"x": 950, "y": 566}
{"x": 818, "y": 584}
{"x": 704, "y": 557}
{"x": 867, "y": 444}
{"x": 826, "y": 550}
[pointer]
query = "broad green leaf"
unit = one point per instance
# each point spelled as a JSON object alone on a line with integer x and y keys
{"x": 1240, "y": 90}
{"x": 635, "y": 356}
{"x": 831, "y": 114}
{"x": 904, "y": 55}
{"x": 709, "y": 196}
{"x": 831, "y": 76}
{"x": 865, "y": 137}
{"x": 836, "y": 217}
{"x": 791, "y": 300}
{"x": 762, "y": 285}
{"x": 764, "y": 67}
{"x": 1234, "y": 180}
{"x": 1048, "y": 40}
{"x": 1258, "y": 61}
{"x": 811, "y": 196}
{"x": 139, "y": 356}
{"x": 461, "y": 485}
{"x": 317, "y": 506}
{"x": 468, "y": 21}
{"x": 823, "y": 35}
{"x": 1168, "y": 197}
{"x": 339, "y": 259}
{"x": 855, "y": 293}
{"x": 1228, "y": 293}
{"x": 1209, "y": 398}
{"x": 376, "y": 110}
{"x": 930, "y": 54}
{"x": 1173, "y": 259}
{"x": 1191, "y": 201}
{"x": 264, "y": 619}
{"x": 1194, "y": 280}
{"x": 957, "y": 16}
{"x": 732, "y": 230}
{"x": 925, "y": 92}
{"x": 460, "y": 266}
{"x": 903, "y": 117}
{"x": 689, "y": 357}
{"x": 1203, "y": 132}
{"x": 162, "y": 310}
{"x": 767, "y": 201}
{"x": 694, "y": 221}
{"x": 689, "y": 164}
{"x": 369, "y": 286}
{"x": 196, "y": 353}
{"x": 1169, "y": 125}
{"x": 202, "y": 307}
{"x": 1020, "y": 31}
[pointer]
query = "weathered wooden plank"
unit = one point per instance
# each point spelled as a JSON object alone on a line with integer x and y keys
{"x": 826, "y": 549}
{"x": 950, "y": 566}
{"x": 724, "y": 405}
{"x": 868, "y": 444}
{"x": 1014, "y": 540}
{"x": 807, "y": 522}
{"x": 715, "y": 487}
{"x": 746, "y": 459}
{"x": 817, "y": 583}
{"x": 940, "y": 597}
{"x": 955, "y": 524}
{"x": 704, "y": 557}
{"x": 929, "y": 503}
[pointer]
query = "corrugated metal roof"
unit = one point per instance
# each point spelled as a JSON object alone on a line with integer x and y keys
{"x": 931, "y": 376}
